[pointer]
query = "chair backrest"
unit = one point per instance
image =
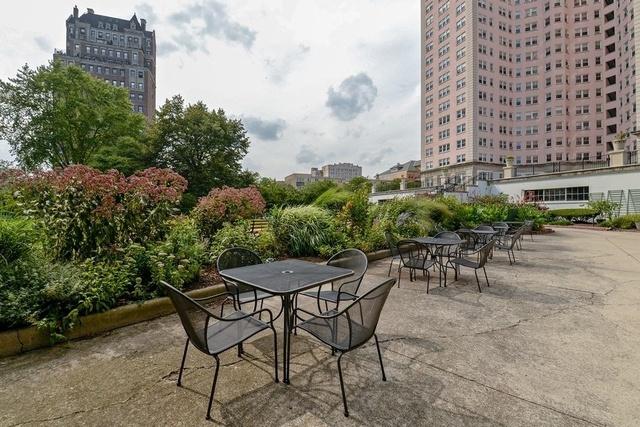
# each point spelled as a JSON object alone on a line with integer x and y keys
{"x": 515, "y": 236}
{"x": 233, "y": 258}
{"x": 528, "y": 226}
{"x": 500, "y": 225}
{"x": 448, "y": 235}
{"x": 484, "y": 252}
{"x": 194, "y": 317}
{"x": 410, "y": 249}
{"x": 364, "y": 313}
{"x": 352, "y": 259}
{"x": 392, "y": 242}
{"x": 484, "y": 228}
{"x": 448, "y": 249}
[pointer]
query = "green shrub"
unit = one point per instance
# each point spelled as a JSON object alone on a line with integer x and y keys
{"x": 88, "y": 213}
{"x": 572, "y": 214}
{"x": 603, "y": 208}
{"x": 240, "y": 235}
{"x": 227, "y": 205}
{"x": 306, "y": 231}
{"x": 625, "y": 222}
{"x": 310, "y": 192}
{"x": 334, "y": 198}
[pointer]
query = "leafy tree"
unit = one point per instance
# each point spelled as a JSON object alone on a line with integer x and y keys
{"x": 59, "y": 115}
{"x": 358, "y": 183}
{"x": 278, "y": 193}
{"x": 204, "y": 146}
{"x": 126, "y": 155}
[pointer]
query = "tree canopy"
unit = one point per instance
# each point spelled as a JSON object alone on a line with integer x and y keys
{"x": 204, "y": 146}
{"x": 58, "y": 115}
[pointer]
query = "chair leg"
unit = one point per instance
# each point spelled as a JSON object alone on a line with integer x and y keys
{"x": 399, "y": 275}
{"x": 240, "y": 350}
{"x": 390, "y": 266}
{"x": 213, "y": 387}
{"x": 275, "y": 352}
{"x": 384, "y": 377}
{"x": 477, "y": 280}
{"x": 513, "y": 254}
{"x": 428, "y": 280}
{"x": 509, "y": 255}
{"x": 344, "y": 396}
{"x": 485, "y": 275}
{"x": 184, "y": 358}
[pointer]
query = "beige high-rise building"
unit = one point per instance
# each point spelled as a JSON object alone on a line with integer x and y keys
{"x": 542, "y": 81}
{"x": 121, "y": 52}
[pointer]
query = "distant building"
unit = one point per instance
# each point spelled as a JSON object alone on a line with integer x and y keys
{"x": 409, "y": 170}
{"x": 121, "y": 52}
{"x": 299, "y": 180}
{"x": 341, "y": 171}
{"x": 338, "y": 172}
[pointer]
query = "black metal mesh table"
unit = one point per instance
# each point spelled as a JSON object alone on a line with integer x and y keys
{"x": 285, "y": 279}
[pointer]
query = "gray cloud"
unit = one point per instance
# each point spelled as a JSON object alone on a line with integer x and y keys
{"x": 268, "y": 130}
{"x": 355, "y": 95}
{"x": 167, "y": 48}
{"x": 308, "y": 156}
{"x": 279, "y": 68}
{"x": 217, "y": 24}
{"x": 376, "y": 157}
{"x": 145, "y": 11}
{"x": 43, "y": 43}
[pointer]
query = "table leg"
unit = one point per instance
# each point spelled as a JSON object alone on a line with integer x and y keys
{"x": 286, "y": 344}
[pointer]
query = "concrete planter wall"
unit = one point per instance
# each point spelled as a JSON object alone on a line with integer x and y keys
{"x": 20, "y": 340}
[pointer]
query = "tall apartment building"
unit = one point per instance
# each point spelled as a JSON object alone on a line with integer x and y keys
{"x": 120, "y": 51}
{"x": 539, "y": 80}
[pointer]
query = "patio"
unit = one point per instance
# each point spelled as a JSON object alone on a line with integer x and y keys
{"x": 553, "y": 341}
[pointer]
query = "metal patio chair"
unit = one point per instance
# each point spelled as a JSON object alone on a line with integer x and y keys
{"x": 414, "y": 256}
{"x": 344, "y": 289}
{"x": 482, "y": 255}
{"x": 213, "y": 334}
{"x": 241, "y": 257}
{"x": 349, "y": 328}
{"x": 528, "y": 228}
{"x": 392, "y": 243}
{"x": 508, "y": 242}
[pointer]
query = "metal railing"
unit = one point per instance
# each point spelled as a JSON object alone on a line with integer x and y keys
{"x": 551, "y": 167}
{"x": 631, "y": 158}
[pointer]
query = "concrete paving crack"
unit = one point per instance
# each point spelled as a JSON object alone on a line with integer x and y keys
{"x": 515, "y": 396}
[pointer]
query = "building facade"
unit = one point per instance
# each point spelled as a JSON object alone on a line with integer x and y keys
{"x": 541, "y": 81}
{"x": 341, "y": 171}
{"x": 409, "y": 170}
{"x": 121, "y": 52}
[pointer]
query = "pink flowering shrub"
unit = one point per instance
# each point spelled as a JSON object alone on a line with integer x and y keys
{"x": 88, "y": 213}
{"x": 227, "y": 204}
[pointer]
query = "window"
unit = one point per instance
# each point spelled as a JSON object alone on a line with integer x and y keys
{"x": 559, "y": 194}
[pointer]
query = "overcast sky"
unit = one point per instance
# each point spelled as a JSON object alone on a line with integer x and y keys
{"x": 315, "y": 81}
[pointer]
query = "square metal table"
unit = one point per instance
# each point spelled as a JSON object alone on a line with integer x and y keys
{"x": 285, "y": 279}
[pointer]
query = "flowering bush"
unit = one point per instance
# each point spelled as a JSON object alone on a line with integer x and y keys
{"x": 227, "y": 204}
{"x": 87, "y": 212}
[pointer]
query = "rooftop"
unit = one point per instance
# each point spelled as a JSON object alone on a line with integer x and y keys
{"x": 553, "y": 341}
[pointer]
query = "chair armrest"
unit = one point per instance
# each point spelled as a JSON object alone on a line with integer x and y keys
{"x": 213, "y": 296}
{"x": 317, "y": 316}
{"x": 264, "y": 310}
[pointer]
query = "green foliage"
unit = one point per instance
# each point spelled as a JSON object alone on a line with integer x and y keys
{"x": 239, "y": 235}
{"x": 306, "y": 231}
{"x": 16, "y": 236}
{"x": 126, "y": 155}
{"x": 59, "y": 115}
{"x": 87, "y": 213}
{"x": 333, "y": 199}
{"x": 204, "y": 146}
{"x": 625, "y": 222}
{"x": 227, "y": 205}
{"x": 573, "y": 214}
{"x": 310, "y": 192}
{"x": 358, "y": 183}
{"x": 603, "y": 208}
{"x": 354, "y": 214}
{"x": 278, "y": 193}
{"x": 388, "y": 185}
